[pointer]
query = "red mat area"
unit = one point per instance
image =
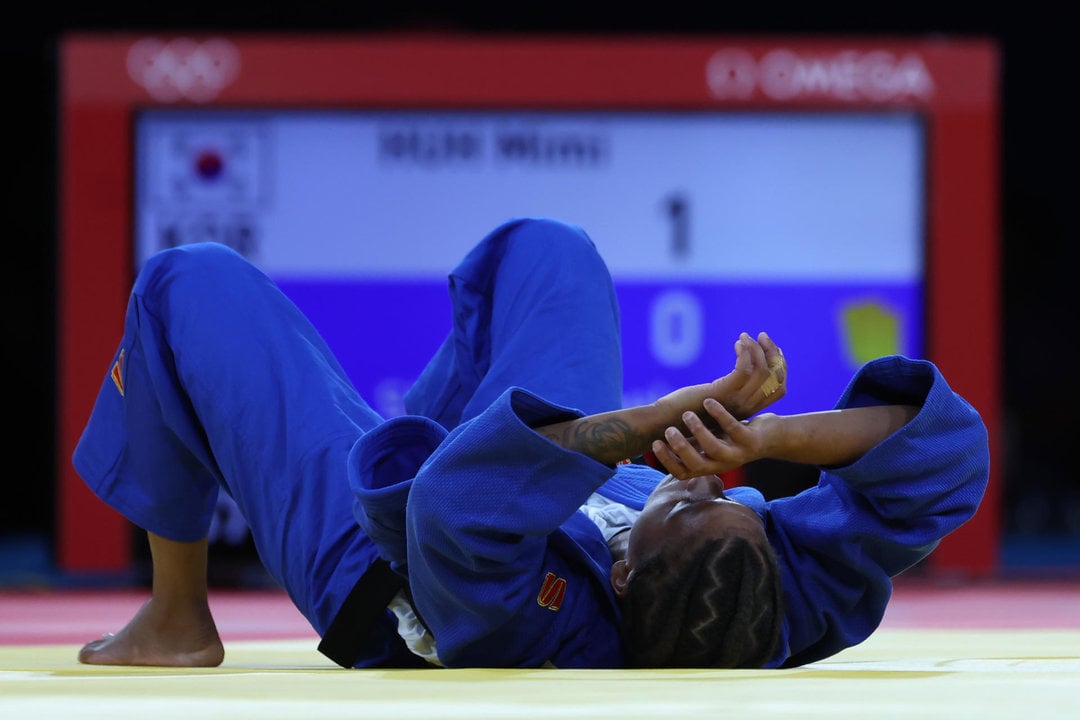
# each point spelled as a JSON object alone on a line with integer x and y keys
{"x": 1005, "y": 606}
{"x": 28, "y": 618}
{"x": 46, "y": 617}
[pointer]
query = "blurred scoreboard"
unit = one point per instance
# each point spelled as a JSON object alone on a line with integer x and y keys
{"x": 808, "y": 226}
{"x": 837, "y": 192}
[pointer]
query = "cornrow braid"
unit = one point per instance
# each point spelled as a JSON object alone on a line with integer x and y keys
{"x": 721, "y": 608}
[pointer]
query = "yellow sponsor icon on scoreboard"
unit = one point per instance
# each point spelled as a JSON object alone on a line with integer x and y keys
{"x": 869, "y": 329}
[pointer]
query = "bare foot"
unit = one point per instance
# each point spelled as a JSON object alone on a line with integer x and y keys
{"x": 172, "y": 636}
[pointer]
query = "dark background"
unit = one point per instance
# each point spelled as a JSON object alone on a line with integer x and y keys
{"x": 1039, "y": 83}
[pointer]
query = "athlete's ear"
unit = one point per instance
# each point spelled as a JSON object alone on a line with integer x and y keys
{"x": 620, "y": 575}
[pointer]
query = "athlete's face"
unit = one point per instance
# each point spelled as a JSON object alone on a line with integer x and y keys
{"x": 680, "y": 515}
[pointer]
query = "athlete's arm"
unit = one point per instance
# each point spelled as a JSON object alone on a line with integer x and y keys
{"x": 758, "y": 380}
{"x": 831, "y": 438}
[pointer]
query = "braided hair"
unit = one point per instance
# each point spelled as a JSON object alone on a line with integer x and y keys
{"x": 720, "y": 608}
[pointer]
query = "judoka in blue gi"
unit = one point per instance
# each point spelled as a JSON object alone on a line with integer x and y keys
{"x": 494, "y": 524}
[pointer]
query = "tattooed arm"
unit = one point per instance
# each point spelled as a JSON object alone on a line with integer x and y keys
{"x": 613, "y": 436}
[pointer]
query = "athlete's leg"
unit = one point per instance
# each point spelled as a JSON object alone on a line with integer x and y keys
{"x": 535, "y": 307}
{"x": 174, "y": 627}
{"x": 221, "y": 381}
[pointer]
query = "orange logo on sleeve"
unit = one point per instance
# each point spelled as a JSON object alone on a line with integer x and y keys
{"x": 552, "y": 592}
{"x": 116, "y": 373}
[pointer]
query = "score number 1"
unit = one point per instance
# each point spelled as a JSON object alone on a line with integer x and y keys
{"x": 676, "y": 318}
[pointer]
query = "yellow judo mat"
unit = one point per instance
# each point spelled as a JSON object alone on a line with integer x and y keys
{"x": 910, "y": 674}
{"x": 986, "y": 653}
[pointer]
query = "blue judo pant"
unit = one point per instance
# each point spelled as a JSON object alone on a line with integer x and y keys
{"x": 220, "y": 382}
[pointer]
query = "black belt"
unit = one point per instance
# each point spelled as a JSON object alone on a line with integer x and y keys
{"x": 343, "y": 642}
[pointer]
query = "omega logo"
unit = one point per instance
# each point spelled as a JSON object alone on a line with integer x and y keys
{"x": 734, "y": 73}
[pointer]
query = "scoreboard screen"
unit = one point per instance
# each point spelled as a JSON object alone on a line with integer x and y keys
{"x": 808, "y": 226}
{"x": 839, "y": 193}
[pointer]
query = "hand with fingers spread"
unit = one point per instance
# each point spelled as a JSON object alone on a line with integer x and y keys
{"x": 722, "y": 445}
{"x": 827, "y": 438}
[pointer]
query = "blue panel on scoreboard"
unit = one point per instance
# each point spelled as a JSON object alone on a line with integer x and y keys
{"x": 673, "y": 334}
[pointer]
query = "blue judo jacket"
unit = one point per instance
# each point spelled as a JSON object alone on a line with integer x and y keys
{"x": 506, "y": 572}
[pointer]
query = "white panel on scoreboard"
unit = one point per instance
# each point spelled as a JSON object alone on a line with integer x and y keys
{"x": 708, "y": 195}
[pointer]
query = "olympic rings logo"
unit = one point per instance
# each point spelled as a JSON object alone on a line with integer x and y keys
{"x": 183, "y": 69}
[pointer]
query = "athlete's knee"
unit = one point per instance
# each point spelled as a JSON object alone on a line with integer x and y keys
{"x": 194, "y": 257}
{"x": 204, "y": 265}
{"x": 547, "y": 243}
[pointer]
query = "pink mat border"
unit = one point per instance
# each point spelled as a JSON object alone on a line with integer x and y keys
{"x": 29, "y": 617}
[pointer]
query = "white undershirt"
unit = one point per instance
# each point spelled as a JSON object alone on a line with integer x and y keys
{"x": 610, "y": 516}
{"x": 412, "y": 631}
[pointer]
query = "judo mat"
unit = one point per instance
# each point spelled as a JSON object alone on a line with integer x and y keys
{"x": 986, "y": 651}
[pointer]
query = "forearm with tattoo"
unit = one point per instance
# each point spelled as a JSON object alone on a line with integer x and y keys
{"x": 606, "y": 438}
{"x": 613, "y": 436}
{"x": 616, "y": 435}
